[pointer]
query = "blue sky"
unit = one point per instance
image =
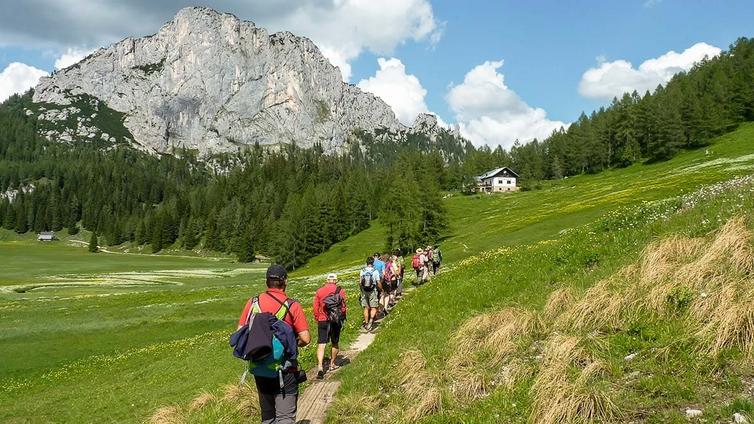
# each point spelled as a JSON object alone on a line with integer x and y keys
{"x": 546, "y": 48}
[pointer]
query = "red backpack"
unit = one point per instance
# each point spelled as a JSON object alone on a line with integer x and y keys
{"x": 416, "y": 262}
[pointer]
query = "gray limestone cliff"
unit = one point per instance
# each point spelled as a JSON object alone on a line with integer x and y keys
{"x": 210, "y": 82}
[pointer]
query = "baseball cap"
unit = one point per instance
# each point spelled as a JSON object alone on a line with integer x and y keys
{"x": 332, "y": 276}
{"x": 276, "y": 272}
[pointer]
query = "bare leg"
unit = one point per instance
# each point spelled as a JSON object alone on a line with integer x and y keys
{"x": 320, "y": 356}
{"x": 334, "y": 354}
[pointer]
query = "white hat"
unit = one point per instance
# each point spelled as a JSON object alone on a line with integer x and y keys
{"x": 332, "y": 276}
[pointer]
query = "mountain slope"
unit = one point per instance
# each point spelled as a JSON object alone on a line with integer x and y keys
{"x": 211, "y": 82}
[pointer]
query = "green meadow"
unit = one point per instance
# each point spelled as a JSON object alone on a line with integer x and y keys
{"x": 112, "y": 337}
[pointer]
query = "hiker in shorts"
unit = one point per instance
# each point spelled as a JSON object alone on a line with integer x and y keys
{"x": 424, "y": 260}
{"x": 416, "y": 263}
{"x": 401, "y": 269}
{"x": 278, "y": 404}
{"x": 395, "y": 272}
{"x": 330, "y": 313}
{"x": 436, "y": 259}
{"x": 388, "y": 288}
{"x": 370, "y": 285}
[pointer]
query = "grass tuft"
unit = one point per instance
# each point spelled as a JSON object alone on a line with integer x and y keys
{"x": 558, "y": 302}
{"x": 418, "y": 385}
{"x": 171, "y": 414}
{"x": 571, "y": 385}
{"x": 201, "y": 401}
{"x": 488, "y": 342}
{"x": 244, "y": 397}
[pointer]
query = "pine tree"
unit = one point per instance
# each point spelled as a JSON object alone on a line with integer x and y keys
{"x": 93, "y": 248}
{"x": 246, "y": 253}
{"x": 21, "y": 221}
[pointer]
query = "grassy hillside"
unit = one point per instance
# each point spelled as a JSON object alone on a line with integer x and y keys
{"x": 483, "y": 222}
{"x": 524, "y": 332}
{"x": 527, "y": 333}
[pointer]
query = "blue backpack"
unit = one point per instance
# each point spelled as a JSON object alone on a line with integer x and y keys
{"x": 272, "y": 365}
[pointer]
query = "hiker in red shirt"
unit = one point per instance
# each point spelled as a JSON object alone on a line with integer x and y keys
{"x": 330, "y": 312}
{"x": 278, "y": 401}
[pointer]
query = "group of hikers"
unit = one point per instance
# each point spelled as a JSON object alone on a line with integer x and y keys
{"x": 273, "y": 326}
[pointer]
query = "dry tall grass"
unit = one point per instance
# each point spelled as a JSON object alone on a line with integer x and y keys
{"x": 485, "y": 343}
{"x": 244, "y": 397}
{"x": 418, "y": 385}
{"x": 558, "y": 302}
{"x": 559, "y": 397}
{"x": 675, "y": 272}
{"x": 707, "y": 282}
{"x": 601, "y": 306}
{"x": 201, "y": 401}
{"x": 171, "y": 414}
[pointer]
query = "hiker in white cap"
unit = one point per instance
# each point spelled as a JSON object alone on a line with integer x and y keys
{"x": 424, "y": 259}
{"x": 330, "y": 313}
{"x": 417, "y": 264}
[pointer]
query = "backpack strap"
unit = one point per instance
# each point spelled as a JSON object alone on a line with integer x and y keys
{"x": 253, "y": 302}
{"x": 285, "y": 304}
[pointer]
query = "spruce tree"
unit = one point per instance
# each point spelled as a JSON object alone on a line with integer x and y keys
{"x": 93, "y": 248}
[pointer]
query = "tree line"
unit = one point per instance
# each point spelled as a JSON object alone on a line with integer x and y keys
{"x": 290, "y": 204}
{"x": 688, "y": 112}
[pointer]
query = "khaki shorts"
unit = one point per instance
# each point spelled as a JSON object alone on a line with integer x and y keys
{"x": 370, "y": 299}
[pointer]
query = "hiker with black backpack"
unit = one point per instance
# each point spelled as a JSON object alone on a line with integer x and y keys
{"x": 330, "y": 313}
{"x": 271, "y": 328}
{"x": 371, "y": 285}
{"x": 436, "y": 259}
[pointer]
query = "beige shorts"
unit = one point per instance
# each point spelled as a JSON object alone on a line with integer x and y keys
{"x": 370, "y": 298}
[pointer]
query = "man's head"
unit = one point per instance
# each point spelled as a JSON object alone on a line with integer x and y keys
{"x": 370, "y": 261}
{"x": 332, "y": 278}
{"x": 376, "y": 255}
{"x": 277, "y": 277}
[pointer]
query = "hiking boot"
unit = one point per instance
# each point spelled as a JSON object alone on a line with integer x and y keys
{"x": 369, "y": 326}
{"x": 320, "y": 374}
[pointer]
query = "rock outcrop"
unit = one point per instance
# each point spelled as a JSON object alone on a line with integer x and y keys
{"x": 211, "y": 82}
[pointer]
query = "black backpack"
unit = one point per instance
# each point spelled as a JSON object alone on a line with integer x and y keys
{"x": 367, "y": 280}
{"x": 334, "y": 306}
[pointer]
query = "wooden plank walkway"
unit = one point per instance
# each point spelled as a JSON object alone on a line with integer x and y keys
{"x": 312, "y": 405}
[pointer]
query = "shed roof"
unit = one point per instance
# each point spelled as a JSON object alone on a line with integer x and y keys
{"x": 495, "y": 172}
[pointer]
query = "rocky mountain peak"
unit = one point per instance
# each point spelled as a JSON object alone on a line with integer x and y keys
{"x": 211, "y": 82}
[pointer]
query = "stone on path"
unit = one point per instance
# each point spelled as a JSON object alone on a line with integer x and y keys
{"x": 693, "y": 413}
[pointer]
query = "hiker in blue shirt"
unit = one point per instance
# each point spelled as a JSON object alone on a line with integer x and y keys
{"x": 379, "y": 265}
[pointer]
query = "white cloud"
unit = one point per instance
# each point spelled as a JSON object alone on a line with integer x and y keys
{"x": 489, "y": 112}
{"x": 402, "y": 91}
{"x": 351, "y": 26}
{"x": 612, "y": 79}
{"x": 341, "y": 28}
{"x": 17, "y": 77}
{"x": 71, "y": 56}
